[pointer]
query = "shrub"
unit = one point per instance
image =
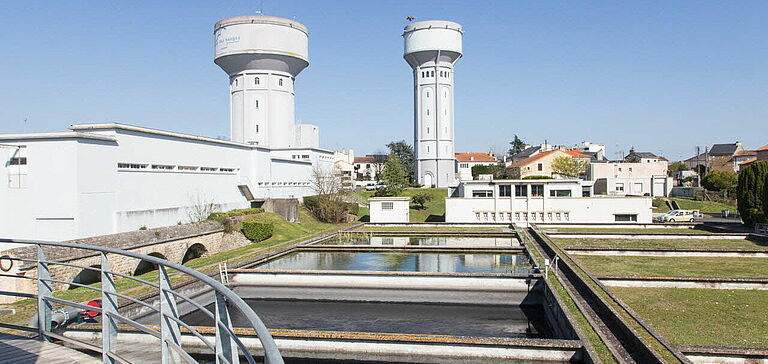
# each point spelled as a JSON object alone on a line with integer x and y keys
{"x": 420, "y": 199}
{"x": 537, "y": 177}
{"x": 257, "y": 231}
{"x": 720, "y": 181}
{"x": 236, "y": 212}
{"x": 752, "y": 193}
{"x": 329, "y": 208}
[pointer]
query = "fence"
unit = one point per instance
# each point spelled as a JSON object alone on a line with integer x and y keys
{"x": 226, "y": 347}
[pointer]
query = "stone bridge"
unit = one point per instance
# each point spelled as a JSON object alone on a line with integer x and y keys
{"x": 178, "y": 244}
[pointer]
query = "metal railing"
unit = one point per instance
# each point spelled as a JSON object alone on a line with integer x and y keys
{"x": 224, "y": 348}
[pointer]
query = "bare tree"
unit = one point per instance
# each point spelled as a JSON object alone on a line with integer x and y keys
{"x": 328, "y": 205}
{"x": 200, "y": 207}
{"x": 325, "y": 182}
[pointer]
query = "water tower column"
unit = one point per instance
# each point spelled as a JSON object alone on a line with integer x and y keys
{"x": 431, "y": 49}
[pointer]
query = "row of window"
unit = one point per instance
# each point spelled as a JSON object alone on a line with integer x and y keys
{"x": 522, "y": 216}
{"x": 265, "y": 184}
{"x": 521, "y": 191}
{"x": 432, "y": 74}
{"x": 18, "y": 161}
{"x": 300, "y": 156}
{"x": 257, "y": 81}
{"x": 179, "y": 168}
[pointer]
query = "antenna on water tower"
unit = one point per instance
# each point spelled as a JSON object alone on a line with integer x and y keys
{"x": 261, "y": 8}
{"x": 410, "y": 18}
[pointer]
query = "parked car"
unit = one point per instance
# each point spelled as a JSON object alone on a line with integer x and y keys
{"x": 373, "y": 186}
{"x": 677, "y": 216}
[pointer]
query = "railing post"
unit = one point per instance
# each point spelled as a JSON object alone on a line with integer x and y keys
{"x": 108, "y": 307}
{"x": 225, "y": 344}
{"x": 169, "y": 328}
{"x": 43, "y": 292}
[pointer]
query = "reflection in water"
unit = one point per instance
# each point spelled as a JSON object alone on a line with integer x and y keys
{"x": 402, "y": 262}
{"x": 460, "y": 241}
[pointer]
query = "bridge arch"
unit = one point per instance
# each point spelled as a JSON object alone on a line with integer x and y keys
{"x": 194, "y": 251}
{"x": 145, "y": 266}
{"x": 87, "y": 276}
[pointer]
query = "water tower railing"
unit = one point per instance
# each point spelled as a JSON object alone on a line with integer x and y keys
{"x": 224, "y": 348}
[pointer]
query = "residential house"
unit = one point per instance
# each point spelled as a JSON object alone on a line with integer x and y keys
{"x": 631, "y": 179}
{"x": 596, "y": 151}
{"x": 761, "y": 154}
{"x": 468, "y": 160}
{"x": 540, "y": 164}
{"x": 366, "y": 168}
{"x": 719, "y": 157}
{"x": 344, "y": 165}
{"x": 642, "y": 157}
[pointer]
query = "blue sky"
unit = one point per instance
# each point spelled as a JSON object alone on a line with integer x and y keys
{"x": 662, "y": 76}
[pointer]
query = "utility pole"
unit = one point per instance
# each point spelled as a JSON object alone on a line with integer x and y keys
{"x": 698, "y": 170}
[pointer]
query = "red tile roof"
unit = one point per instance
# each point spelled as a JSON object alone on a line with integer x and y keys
{"x": 365, "y": 160}
{"x": 576, "y": 153}
{"x": 748, "y": 161}
{"x": 535, "y": 157}
{"x": 746, "y": 152}
{"x": 761, "y": 149}
{"x": 475, "y": 157}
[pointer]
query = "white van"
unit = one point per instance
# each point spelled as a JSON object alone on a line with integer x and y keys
{"x": 677, "y": 216}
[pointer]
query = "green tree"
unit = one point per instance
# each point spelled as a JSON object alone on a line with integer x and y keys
{"x": 498, "y": 170}
{"x": 420, "y": 199}
{"x": 752, "y": 193}
{"x": 720, "y": 181}
{"x": 393, "y": 177}
{"x": 569, "y": 167}
{"x": 677, "y": 167}
{"x": 516, "y": 146}
{"x": 404, "y": 151}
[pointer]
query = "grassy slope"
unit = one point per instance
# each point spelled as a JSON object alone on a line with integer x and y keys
{"x": 667, "y": 266}
{"x": 284, "y": 232}
{"x": 704, "y": 206}
{"x": 661, "y": 243}
{"x": 695, "y": 316}
{"x": 449, "y": 229}
{"x": 434, "y": 208}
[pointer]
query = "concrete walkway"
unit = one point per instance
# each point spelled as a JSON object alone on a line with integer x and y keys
{"x": 19, "y": 349}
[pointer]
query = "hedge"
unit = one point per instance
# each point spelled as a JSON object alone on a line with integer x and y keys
{"x": 232, "y": 213}
{"x": 752, "y": 193}
{"x": 537, "y": 177}
{"x": 257, "y": 231}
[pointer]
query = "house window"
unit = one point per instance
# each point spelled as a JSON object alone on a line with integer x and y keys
{"x": 387, "y": 206}
{"x": 505, "y": 190}
{"x": 625, "y": 217}
{"x": 482, "y": 193}
{"x": 521, "y": 190}
{"x": 537, "y": 190}
{"x": 620, "y": 187}
{"x": 540, "y": 166}
{"x": 559, "y": 193}
{"x": 256, "y": 80}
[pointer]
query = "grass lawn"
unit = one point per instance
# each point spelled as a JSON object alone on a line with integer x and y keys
{"x": 284, "y": 232}
{"x": 703, "y": 206}
{"x": 693, "y": 316}
{"x": 661, "y": 243}
{"x": 434, "y": 211}
{"x": 676, "y": 267}
{"x": 628, "y": 230}
{"x": 449, "y": 229}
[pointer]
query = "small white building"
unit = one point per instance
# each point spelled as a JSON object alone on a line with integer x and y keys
{"x": 390, "y": 209}
{"x": 631, "y": 179}
{"x": 537, "y": 201}
{"x": 468, "y": 160}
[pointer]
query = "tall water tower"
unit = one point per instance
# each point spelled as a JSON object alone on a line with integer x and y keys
{"x": 262, "y": 56}
{"x": 432, "y": 48}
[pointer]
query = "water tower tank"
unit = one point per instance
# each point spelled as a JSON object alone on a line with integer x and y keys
{"x": 431, "y": 49}
{"x": 262, "y": 56}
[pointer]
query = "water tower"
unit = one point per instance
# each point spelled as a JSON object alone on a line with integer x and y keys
{"x": 262, "y": 56}
{"x": 432, "y": 48}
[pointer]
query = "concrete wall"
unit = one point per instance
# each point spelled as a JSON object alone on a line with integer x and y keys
{"x": 398, "y": 213}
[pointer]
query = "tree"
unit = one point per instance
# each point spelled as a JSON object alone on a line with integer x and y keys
{"x": 516, "y": 146}
{"x": 393, "y": 177}
{"x": 420, "y": 199}
{"x": 404, "y": 151}
{"x": 752, "y": 193}
{"x": 200, "y": 207}
{"x": 720, "y": 181}
{"x": 677, "y": 167}
{"x": 498, "y": 170}
{"x": 328, "y": 205}
{"x": 568, "y": 166}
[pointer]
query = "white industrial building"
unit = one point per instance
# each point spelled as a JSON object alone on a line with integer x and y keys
{"x": 431, "y": 49}
{"x": 108, "y": 178}
{"x": 537, "y": 201}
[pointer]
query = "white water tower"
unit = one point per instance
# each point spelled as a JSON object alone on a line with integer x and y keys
{"x": 262, "y": 56}
{"x": 431, "y": 49}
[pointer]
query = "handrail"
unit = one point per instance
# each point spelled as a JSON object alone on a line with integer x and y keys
{"x": 226, "y": 345}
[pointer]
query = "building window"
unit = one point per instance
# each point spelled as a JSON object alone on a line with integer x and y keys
{"x": 280, "y": 82}
{"x": 557, "y": 215}
{"x": 625, "y": 217}
{"x": 549, "y": 216}
{"x": 464, "y": 165}
{"x": 432, "y": 74}
{"x": 505, "y": 191}
{"x": 521, "y": 190}
{"x": 566, "y": 216}
{"x": 585, "y": 192}
{"x": 517, "y": 216}
{"x": 537, "y": 190}
{"x": 525, "y": 216}
{"x": 630, "y": 169}
{"x": 540, "y": 167}
{"x": 387, "y": 206}
{"x": 485, "y": 216}
{"x": 256, "y": 80}
{"x": 131, "y": 166}
{"x": 477, "y": 216}
{"x": 620, "y": 187}
{"x": 559, "y": 193}
{"x": 257, "y": 128}
{"x": 482, "y": 193}
{"x": 18, "y": 161}
{"x": 186, "y": 168}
